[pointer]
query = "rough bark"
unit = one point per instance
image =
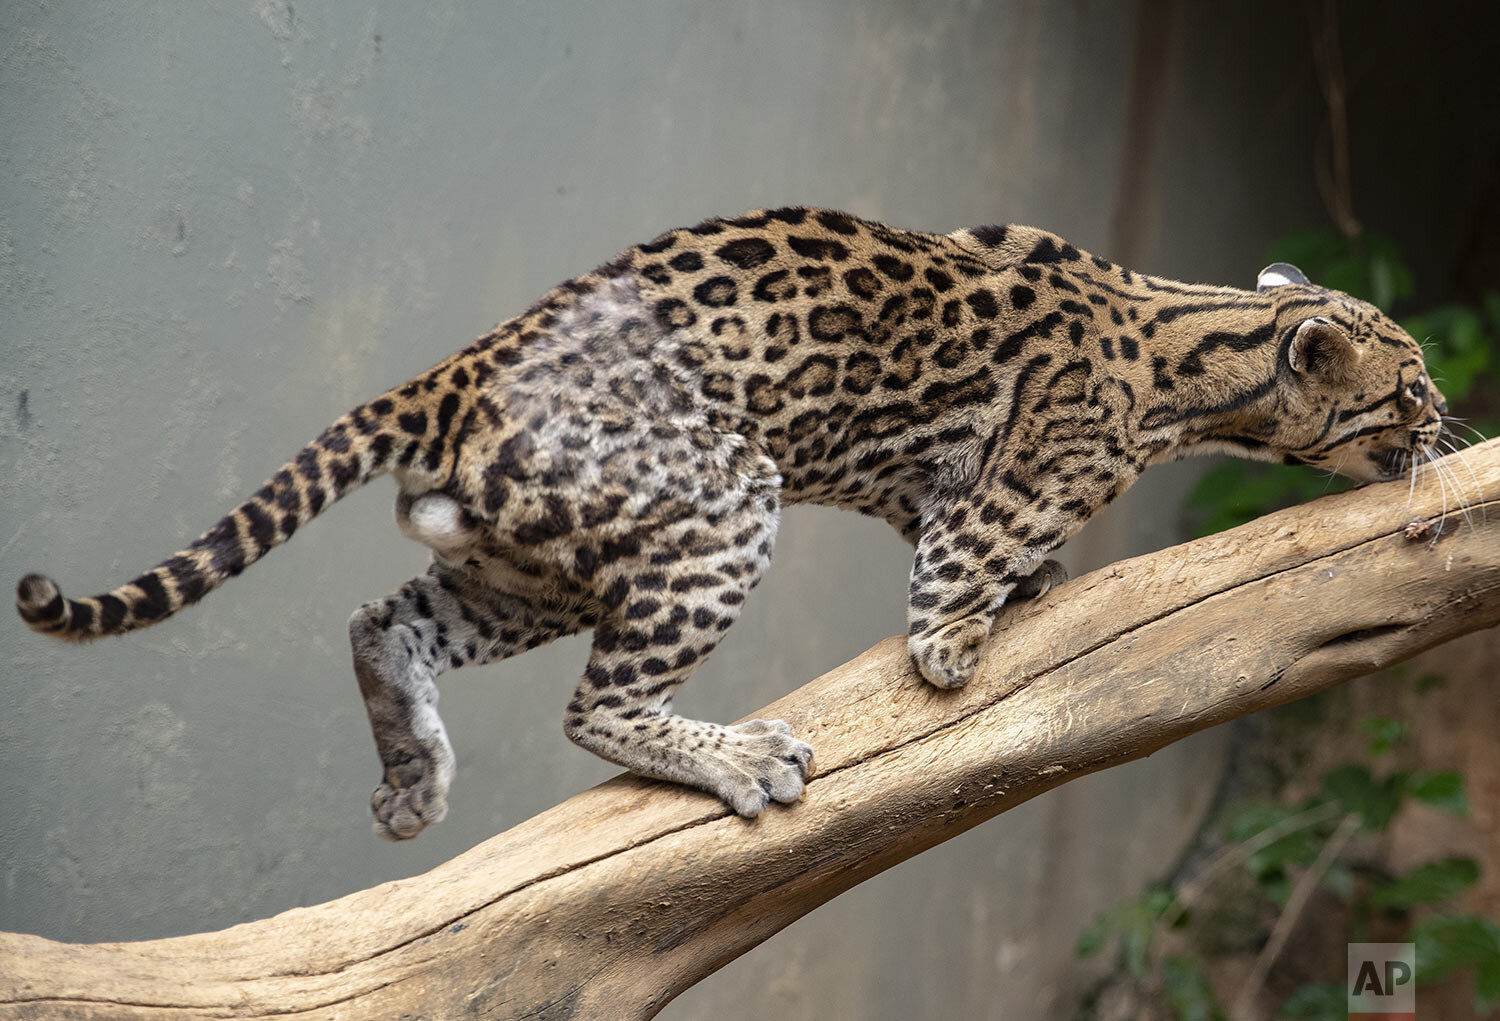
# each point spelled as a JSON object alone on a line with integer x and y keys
{"x": 618, "y": 899}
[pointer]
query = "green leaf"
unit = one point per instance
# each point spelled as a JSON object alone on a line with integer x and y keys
{"x": 1384, "y": 732}
{"x": 1429, "y": 682}
{"x": 1487, "y": 985}
{"x": 1449, "y": 942}
{"x": 1249, "y": 818}
{"x": 1135, "y": 950}
{"x": 1093, "y": 938}
{"x": 1298, "y": 849}
{"x": 1355, "y": 790}
{"x": 1316, "y": 1001}
{"x": 1443, "y": 789}
{"x": 1277, "y": 888}
{"x": 1157, "y": 900}
{"x": 1134, "y": 922}
{"x": 1434, "y": 881}
{"x": 1186, "y": 988}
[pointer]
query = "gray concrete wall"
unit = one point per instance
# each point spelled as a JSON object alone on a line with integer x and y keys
{"x": 223, "y": 223}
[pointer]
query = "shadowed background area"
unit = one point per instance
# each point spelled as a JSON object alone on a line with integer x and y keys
{"x": 222, "y": 224}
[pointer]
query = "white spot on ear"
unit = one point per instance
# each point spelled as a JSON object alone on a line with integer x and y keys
{"x": 1279, "y": 274}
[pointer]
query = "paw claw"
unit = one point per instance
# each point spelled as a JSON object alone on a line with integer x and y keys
{"x": 401, "y": 814}
{"x": 1048, "y": 575}
{"x": 413, "y": 796}
{"x": 947, "y": 657}
{"x": 767, "y": 764}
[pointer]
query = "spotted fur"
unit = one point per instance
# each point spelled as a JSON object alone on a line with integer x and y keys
{"x": 615, "y": 459}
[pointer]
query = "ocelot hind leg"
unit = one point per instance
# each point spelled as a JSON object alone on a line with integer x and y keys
{"x": 667, "y": 607}
{"x": 437, "y": 622}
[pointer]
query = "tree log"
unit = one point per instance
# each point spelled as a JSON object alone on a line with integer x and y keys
{"x": 613, "y": 902}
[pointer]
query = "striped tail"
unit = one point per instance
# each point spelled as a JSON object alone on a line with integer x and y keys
{"x": 347, "y": 455}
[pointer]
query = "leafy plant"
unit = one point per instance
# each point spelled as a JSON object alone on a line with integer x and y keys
{"x": 1186, "y": 989}
{"x": 1317, "y": 1001}
{"x": 1426, "y": 884}
{"x": 1277, "y": 845}
{"x": 1133, "y": 922}
{"x": 1449, "y": 942}
{"x": 1384, "y": 732}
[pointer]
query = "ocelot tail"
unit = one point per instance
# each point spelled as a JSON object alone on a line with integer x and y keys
{"x": 616, "y": 458}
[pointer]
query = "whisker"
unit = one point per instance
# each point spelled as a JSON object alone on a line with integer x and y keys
{"x": 1445, "y": 472}
{"x": 1458, "y": 491}
{"x": 1468, "y": 512}
{"x": 1421, "y": 468}
{"x": 1443, "y": 514}
{"x": 1333, "y": 472}
{"x": 1479, "y": 436}
{"x": 1478, "y": 487}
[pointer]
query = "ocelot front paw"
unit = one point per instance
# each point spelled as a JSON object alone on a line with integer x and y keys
{"x": 947, "y": 657}
{"x": 759, "y": 762}
{"x": 413, "y": 796}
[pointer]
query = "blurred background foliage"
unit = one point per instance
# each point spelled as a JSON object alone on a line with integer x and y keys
{"x": 1312, "y": 847}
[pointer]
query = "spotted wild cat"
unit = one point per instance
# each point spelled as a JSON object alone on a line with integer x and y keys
{"x": 616, "y": 459}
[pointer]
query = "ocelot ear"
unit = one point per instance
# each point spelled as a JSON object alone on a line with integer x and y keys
{"x": 1279, "y": 274}
{"x": 1319, "y": 348}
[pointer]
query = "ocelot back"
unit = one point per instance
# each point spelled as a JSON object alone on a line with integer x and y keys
{"x": 616, "y": 457}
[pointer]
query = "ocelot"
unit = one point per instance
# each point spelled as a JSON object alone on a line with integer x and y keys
{"x": 616, "y": 458}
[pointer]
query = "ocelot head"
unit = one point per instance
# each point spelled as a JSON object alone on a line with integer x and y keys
{"x": 1352, "y": 384}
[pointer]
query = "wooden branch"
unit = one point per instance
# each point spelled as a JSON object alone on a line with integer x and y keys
{"x": 618, "y": 899}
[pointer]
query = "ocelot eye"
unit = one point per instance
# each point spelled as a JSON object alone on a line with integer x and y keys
{"x": 1416, "y": 391}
